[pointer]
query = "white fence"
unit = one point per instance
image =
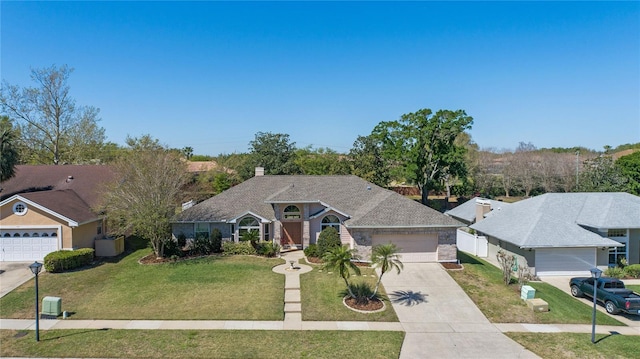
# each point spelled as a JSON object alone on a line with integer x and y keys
{"x": 472, "y": 243}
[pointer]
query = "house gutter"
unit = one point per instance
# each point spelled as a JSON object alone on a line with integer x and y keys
{"x": 396, "y": 227}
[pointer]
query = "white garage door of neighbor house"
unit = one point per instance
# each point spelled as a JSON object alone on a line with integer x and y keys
{"x": 27, "y": 249}
{"x": 565, "y": 261}
{"x": 414, "y": 248}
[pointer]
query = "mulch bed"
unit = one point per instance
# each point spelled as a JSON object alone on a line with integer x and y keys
{"x": 314, "y": 260}
{"x": 371, "y": 305}
{"x": 152, "y": 259}
{"x": 451, "y": 265}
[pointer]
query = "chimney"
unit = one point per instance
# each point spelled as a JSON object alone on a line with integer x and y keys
{"x": 483, "y": 206}
{"x": 259, "y": 171}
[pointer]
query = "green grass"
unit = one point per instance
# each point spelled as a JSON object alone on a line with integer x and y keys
{"x": 202, "y": 344}
{"x": 635, "y": 288}
{"x": 322, "y": 293}
{"x": 483, "y": 283}
{"x": 213, "y": 288}
{"x": 574, "y": 345}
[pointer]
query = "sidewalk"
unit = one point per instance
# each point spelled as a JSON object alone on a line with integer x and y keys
{"x": 47, "y": 324}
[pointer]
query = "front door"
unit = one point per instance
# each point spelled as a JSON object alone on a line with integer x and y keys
{"x": 292, "y": 233}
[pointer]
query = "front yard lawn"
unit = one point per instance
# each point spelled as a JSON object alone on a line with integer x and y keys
{"x": 322, "y": 294}
{"x": 482, "y": 282}
{"x": 201, "y": 344}
{"x": 578, "y": 345}
{"x": 210, "y": 288}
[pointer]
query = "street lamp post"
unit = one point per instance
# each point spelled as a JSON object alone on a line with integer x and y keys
{"x": 595, "y": 274}
{"x": 35, "y": 269}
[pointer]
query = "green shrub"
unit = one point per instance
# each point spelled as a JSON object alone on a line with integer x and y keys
{"x": 216, "y": 240}
{"x": 182, "y": 240}
{"x": 632, "y": 270}
{"x": 267, "y": 249}
{"x": 60, "y": 261}
{"x": 172, "y": 248}
{"x": 328, "y": 240}
{"x": 312, "y": 251}
{"x": 250, "y": 236}
{"x": 614, "y": 272}
{"x": 238, "y": 248}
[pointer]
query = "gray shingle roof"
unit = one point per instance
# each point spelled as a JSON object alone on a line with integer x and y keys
{"x": 366, "y": 204}
{"x": 467, "y": 210}
{"x": 562, "y": 219}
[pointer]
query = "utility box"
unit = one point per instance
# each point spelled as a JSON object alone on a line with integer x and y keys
{"x": 537, "y": 305}
{"x": 51, "y": 307}
{"x": 527, "y": 292}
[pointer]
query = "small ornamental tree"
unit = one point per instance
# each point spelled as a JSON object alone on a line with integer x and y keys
{"x": 506, "y": 264}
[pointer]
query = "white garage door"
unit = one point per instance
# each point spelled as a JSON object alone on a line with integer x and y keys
{"x": 565, "y": 261}
{"x": 414, "y": 248}
{"x": 25, "y": 245}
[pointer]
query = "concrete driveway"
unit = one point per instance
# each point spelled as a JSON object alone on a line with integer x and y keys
{"x": 12, "y": 275}
{"x": 562, "y": 283}
{"x": 440, "y": 320}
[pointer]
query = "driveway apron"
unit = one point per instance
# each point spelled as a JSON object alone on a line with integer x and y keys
{"x": 440, "y": 320}
{"x": 13, "y": 275}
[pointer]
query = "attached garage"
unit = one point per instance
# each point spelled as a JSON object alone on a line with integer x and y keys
{"x": 565, "y": 261}
{"x": 414, "y": 248}
{"x": 26, "y": 245}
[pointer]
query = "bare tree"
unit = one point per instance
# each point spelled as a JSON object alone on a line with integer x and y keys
{"x": 525, "y": 166}
{"x": 147, "y": 190}
{"x": 47, "y": 115}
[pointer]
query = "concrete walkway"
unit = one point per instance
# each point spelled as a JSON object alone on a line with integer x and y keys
{"x": 13, "y": 275}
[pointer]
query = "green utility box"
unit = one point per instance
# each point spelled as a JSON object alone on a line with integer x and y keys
{"x": 527, "y": 292}
{"x": 51, "y": 307}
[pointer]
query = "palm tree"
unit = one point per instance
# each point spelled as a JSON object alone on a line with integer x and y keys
{"x": 339, "y": 260}
{"x": 385, "y": 256}
{"x": 251, "y": 236}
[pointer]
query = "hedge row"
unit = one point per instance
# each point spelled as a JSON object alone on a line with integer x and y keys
{"x": 60, "y": 261}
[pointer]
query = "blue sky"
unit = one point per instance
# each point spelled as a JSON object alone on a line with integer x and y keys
{"x": 210, "y": 74}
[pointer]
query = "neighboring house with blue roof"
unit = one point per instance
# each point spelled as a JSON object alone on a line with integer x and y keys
{"x": 293, "y": 210}
{"x": 566, "y": 233}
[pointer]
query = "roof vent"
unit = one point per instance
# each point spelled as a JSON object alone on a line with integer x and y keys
{"x": 368, "y": 188}
{"x": 259, "y": 171}
{"x": 69, "y": 178}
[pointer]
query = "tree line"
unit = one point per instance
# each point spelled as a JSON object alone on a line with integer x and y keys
{"x": 431, "y": 150}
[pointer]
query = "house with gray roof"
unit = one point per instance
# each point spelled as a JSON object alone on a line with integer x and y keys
{"x": 293, "y": 210}
{"x": 48, "y": 208}
{"x": 475, "y": 209}
{"x": 566, "y": 233}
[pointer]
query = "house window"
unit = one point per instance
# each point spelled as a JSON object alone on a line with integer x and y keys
{"x": 99, "y": 230}
{"x": 616, "y": 255}
{"x": 331, "y": 221}
{"x": 617, "y": 233}
{"x": 202, "y": 230}
{"x": 6, "y": 235}
{"x": 20, "y": 209}
{"x": 248, "y": 224}
{"x": 291, "y": 212}
{"x": 265, "y": 230}
{"x": 54, "y": 234}
{"x": 45, "y": 234}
